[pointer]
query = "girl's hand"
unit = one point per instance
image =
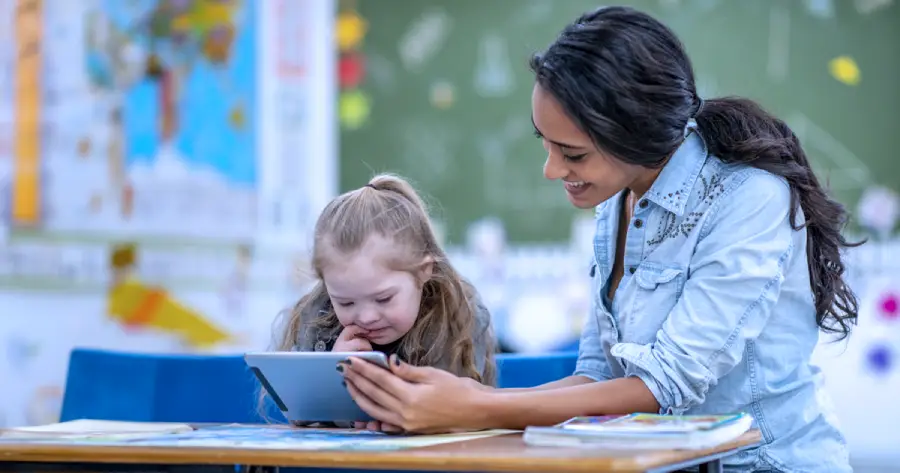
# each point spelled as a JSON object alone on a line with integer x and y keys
{"x": 415, "y": 399}
{"x": 378, "y": 426}
{"x": 351, "y": 339}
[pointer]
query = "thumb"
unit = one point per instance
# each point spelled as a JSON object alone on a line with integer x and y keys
{"x": 408, "y": 372}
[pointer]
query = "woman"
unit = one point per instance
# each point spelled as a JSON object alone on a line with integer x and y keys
{"x": 717, "y": 258}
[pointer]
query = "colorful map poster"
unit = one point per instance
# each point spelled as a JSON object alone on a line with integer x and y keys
{"x": 152, "y": 124}
{"x": 170, "y": 183}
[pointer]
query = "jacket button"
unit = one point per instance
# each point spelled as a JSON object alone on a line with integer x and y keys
{"x": 638, "y": 223}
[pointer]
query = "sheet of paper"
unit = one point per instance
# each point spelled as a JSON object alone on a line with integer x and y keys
{"x": 429, "y": 440}
{"x": 275, "y": 438}
{"x": 94, "y": 428}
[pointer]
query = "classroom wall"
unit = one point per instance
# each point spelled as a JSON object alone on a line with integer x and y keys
{"x": 84, "y": 274}
{"x": 182, "y": 157}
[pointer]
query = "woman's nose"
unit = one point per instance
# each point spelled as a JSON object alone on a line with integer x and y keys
{"x": 554, "y": 167}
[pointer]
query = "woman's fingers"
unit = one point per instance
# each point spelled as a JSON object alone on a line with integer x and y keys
{"x": 371, "y": 390}
{"x": 369, "y": 406}
{"x": 383, "y": 379}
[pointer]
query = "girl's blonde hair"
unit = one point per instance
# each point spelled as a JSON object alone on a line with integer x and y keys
{"x": 389, "y": 206}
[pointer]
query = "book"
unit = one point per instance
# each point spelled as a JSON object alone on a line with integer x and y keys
{"x": 89, "y": 429}
{"x": 642, "y": 431}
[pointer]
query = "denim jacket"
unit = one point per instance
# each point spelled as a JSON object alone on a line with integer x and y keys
{"x": 714, "y": 311}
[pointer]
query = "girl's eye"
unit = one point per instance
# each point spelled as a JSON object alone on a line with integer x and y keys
{"x": 538, "y": 134}
{"x": 384, "y": 300}
{"x": 575, "y": 158}
{"x": 345, "y": 304}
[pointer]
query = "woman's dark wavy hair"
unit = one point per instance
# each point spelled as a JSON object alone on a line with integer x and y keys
{"x": 625, "y": 79}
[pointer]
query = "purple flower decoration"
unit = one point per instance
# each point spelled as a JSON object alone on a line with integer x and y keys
{"x": 889, "y": 306}
{"x": 880, "y": 359}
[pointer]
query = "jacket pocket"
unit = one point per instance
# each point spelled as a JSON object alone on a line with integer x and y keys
{"x": 653, "y": 293}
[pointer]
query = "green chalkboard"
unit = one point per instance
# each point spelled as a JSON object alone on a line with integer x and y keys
{"x": 450, "y": 94}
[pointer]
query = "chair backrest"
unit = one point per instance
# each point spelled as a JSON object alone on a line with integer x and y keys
{"x": 525, "y": 371}
{"x": 159, "y": 388}
{"x": 112, "y": 385}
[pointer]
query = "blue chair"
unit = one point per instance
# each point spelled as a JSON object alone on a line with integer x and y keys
{"x": 110, "y": 385}
{"x": 525, "y": 371}
{"x": 216, "y": 388}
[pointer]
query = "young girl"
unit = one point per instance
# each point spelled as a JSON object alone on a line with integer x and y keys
{"x": 385, "y": 284}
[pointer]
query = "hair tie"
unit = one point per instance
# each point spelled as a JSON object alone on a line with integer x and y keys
{"x": 699, "y": 107}
{"x": 370, "y": 185}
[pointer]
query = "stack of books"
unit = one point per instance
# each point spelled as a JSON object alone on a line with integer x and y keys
{"x": 642, "y": 431}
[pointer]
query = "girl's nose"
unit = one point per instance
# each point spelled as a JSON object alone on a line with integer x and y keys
{"x": 366, "y": 316}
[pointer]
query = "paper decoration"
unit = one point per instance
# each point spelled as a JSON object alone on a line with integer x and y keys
{"x": 234, "y": 293}
{"x": 424, "y": 39}
{"x": 493, "y": 72}
{"x": 821, "y": 8}
{"x": 530, "y": 330}
{"x": 878, "y": 209}
{"x": 351, "y": 70}
{"x": 44, "y": 406}
{"x": 845, "y": 70}
{"x": 853, "y": 173}
{"x": 353, "y": 104}
{"x": 532, "y": 13}
{"x": 145, "y": 306}
{"x": 353, "y": 109}
{"x": 350, "y": 29}
{"x": 442, "y": 94}
{"x": 26, "y": 121}
{"x": 20, "y": 352}
{"x": 866, "y": 7}
{"x": 889, "y": 306}
{"x": 880, "y": 358}
{"x": 486, "y": 237}
{"x": 381, "y": 74}
{"x": 779, "y": 48}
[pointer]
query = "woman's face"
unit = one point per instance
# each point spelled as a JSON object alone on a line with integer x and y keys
{"x": 590, "y": 176}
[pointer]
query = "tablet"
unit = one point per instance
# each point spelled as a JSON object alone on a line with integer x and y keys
{"x": 307, "y": 387}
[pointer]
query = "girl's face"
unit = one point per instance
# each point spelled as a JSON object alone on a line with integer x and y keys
{"x": 589, "y": 175}
{"x": 365, "y": 292}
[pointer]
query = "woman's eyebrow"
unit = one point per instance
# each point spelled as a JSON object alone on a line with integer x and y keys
{"x": 557, "y": 143}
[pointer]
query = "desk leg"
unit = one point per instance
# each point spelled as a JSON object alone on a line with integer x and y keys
{"x": 712, "y": 466}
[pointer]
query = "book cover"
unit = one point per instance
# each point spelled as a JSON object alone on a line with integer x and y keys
{"x": 651, "y": 423}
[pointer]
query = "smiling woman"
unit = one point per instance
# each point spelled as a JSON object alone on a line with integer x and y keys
{"x": 590, "y": 175}
{"x": 717, "y": 258}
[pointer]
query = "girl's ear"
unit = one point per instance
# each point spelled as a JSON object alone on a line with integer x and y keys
{"x": 426, "y": 269}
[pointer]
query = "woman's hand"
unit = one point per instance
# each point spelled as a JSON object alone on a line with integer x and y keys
{"x": 415, "y": 399}
{"x": 351, "y": 339}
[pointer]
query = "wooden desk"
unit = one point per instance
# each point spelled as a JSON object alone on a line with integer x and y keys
{"x": 504, "y": 453}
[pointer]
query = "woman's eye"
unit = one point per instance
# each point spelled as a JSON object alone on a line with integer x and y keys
{"x": 574, "y": 158}
{"x": 384, "y": 300}
{"x": 345, "y": 304}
